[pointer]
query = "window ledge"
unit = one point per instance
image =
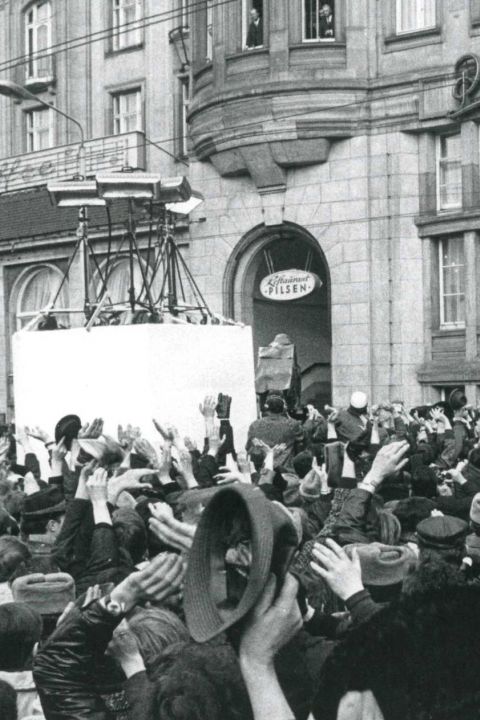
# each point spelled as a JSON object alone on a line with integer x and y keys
{"x": 401, "y": 38}
{"x": 261, "y": 50}
{"x": 318, "y": 44}
{"x": 131, "y": 48}
{"x": 450, "y": 332}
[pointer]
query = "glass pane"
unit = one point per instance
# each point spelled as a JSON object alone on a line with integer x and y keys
{"x": 42, "y": 37}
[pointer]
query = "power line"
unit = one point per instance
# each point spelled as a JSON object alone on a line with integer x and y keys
{"x": 142, "y": 23}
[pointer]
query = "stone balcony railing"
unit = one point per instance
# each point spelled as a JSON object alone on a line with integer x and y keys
{"x": 61, "y": 163}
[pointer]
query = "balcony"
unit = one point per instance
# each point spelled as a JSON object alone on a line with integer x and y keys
{"x": 60, "y": 163}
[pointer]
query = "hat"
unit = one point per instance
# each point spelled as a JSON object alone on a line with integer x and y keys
{"x": 382, "y": 564}
{"x": 358, "y": 400}
{"x": 475, "y": 509}
{"x": 67, "y": 427}
{"x": 104, "y": 449}
{"x": 472, "y": 546}
{"x": 310, "y": 487}
{"x": 43, "y": 503}
{"x": 457, "y": 399}
{"x": 441, "y": 532}
{"x": 47, "y": 594}
{"x": 20, "y": 629}
{"x": 235, "y": 514}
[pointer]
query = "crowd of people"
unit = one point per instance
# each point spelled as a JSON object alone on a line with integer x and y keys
{"x": 330, "y": 569}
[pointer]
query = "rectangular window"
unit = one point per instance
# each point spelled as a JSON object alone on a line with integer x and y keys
{"x": 127, "y": 111}
{"x": 449, "y": 172}
{"x": 413, "y": 15}
{"x": 318, "y": 21}
{"x": 38, "y": 41}
{"x": 127, "y": 30}
{"x": 452, "y": 282}
{"x": 181, "y": 112}
{"x": 252, "y": 24}
{"x": 209, "y": 55}
{"x": 40, "y": 129}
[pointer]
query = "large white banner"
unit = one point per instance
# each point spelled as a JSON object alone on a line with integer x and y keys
{"x": 131, "y": 374}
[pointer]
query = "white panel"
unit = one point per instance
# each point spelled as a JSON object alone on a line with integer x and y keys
{"x": 130, "y": 374}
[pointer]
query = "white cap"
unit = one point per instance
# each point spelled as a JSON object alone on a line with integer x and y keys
{"x": 358, "y": 400}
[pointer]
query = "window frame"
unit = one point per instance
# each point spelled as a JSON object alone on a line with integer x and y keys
{"x": 31, "y": 132}
{"x": 416, "y": 29}
{"x": 457, "y": 324}
{"x": 118, "y": 39}
{"x": 318, "y": 40}
{"x": 449, "y": 207}
{"x": 116, "y": 95}
{"x": 30, "y": 31}
{"x": 245, "y": 7}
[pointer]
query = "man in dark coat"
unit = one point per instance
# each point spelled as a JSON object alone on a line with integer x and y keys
{"x": 255, "y": 30}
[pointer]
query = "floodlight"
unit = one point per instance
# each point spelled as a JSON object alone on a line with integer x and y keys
{"x": 128, "y": 184}
{"x": 186, "y": 207}
{"x": 75, "y": 193}
{"x": 175, "y": 189}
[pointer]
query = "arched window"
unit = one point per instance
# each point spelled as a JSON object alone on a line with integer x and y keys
{"x": 38, "y": 290}
{"x": 118, "y": 281}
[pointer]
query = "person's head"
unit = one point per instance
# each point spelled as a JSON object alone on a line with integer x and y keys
{"x": 197, "y": 681}
{"x": 442, "y": 536}
{"x": 130, "y": 532}
{"x": 155, "y": 630}
{"x": 275, "y": 404}
{"x": 474, "y": 458}
{"x": 14, "y": 554}
{"x": 254, "y": 14}
{"x": 326, "y": 9}
{"x": 358, "y": 403}
{"x": 8, "y": 701}
{"x": 20, "y": 630}
{"x": 302, "y": 463}
{"x": 257, "y": 456}
{"x": 8, "y": 524}
{"x": 43, "y": 513}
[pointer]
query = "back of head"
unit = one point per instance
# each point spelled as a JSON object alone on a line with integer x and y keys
{"x": 302, "y": 463}
{"x": 156, "y": 630}
{"x": 198, "y": 681}
{"x": 8, "y": 701}
{"x": 275, "y": 403}
{"x": 20, "y": 629}
{"x": 130, "y": 532}
{"x": 13, "y": 556}
{"x": 474, "y": 458}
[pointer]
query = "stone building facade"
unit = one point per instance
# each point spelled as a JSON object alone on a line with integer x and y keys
{"x": 352, "y": 146}
{"x": 344, "y": 142}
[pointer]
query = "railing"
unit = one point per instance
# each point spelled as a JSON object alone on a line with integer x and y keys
{"x": 60, "y": 163}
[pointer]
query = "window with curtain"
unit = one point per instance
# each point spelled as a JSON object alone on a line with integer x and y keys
{"x": 40, "y": 125}
{"x": 126, "y": 23}
{"x": 37, "y": 292}
{"x": 38, "y": 40}
{"x": 452, "y": 282}
{"x": 318, "y": 21}
{"x": 127, "y": 111}
{"x": 413, "y": 15}
{"x": 449, "y": 172}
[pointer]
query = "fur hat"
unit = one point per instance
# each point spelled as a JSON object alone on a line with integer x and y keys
{"x": 47, "y": 594}
{"x": 382, "y": 564}
{"x": 310, "y": 487}
{"x": 442, "y": 532}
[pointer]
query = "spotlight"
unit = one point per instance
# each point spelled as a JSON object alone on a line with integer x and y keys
{"x": 75, "y": 193}
{"x": 128, "y": 184}
{"x": 175, "y": 190}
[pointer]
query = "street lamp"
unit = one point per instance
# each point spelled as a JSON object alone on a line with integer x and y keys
{"x": 18, "y": 92}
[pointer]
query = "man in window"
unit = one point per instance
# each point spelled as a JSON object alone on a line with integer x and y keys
{"x": 255, "y": 30}
{"x": 326, "y": 23}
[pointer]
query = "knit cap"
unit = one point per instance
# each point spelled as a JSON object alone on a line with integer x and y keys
{"x": 382, "y": 564}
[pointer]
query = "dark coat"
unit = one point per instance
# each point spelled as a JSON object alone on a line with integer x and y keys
{"x": 255, "y": 34}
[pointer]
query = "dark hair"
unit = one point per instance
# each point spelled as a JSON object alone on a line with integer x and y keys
{"x": 20, "y": 629}
{"x": 474, "y": 458}
{"x": 412, "y": 510}
{"x": 13, "y": 555}
{"x": 131, "y": 533}
{"x": 194, "y": 682}
{"x": 8, "y": 701}
{"x": 424, "y": 483}
{"x": 275, "y": 405}
{"x": 419, "y": 656}
{"x": 38, "y": 526}
{"x": 302, "y": 463}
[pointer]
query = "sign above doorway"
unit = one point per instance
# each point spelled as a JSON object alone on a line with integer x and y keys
{"x": 289, "y": 285}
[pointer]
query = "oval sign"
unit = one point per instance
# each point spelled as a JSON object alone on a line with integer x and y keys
{"x": 289, "y": 285}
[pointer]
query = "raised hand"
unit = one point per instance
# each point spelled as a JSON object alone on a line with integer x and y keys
{"x": 158, "y": 580}
{"x": 39, "y": 434}
{"x": 168, "y": 529}
{"x": 388, "y": 461}
{"x": 145, "y": 450}
{"x": 124, "y": 648}
{"x": 214, "y": 441}
{"x": 97, "y": 486}
{"x": 91, "y": 431}
{"x": 207, "y": 408}
{"x": 185, "y": 466}
{"x": 190, "y": 444}
{"x": 344, "y": 576}
{"x": 129, "y": 480}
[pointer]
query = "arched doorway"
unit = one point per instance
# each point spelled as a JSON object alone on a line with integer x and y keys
{"x": 306, "y": 320}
